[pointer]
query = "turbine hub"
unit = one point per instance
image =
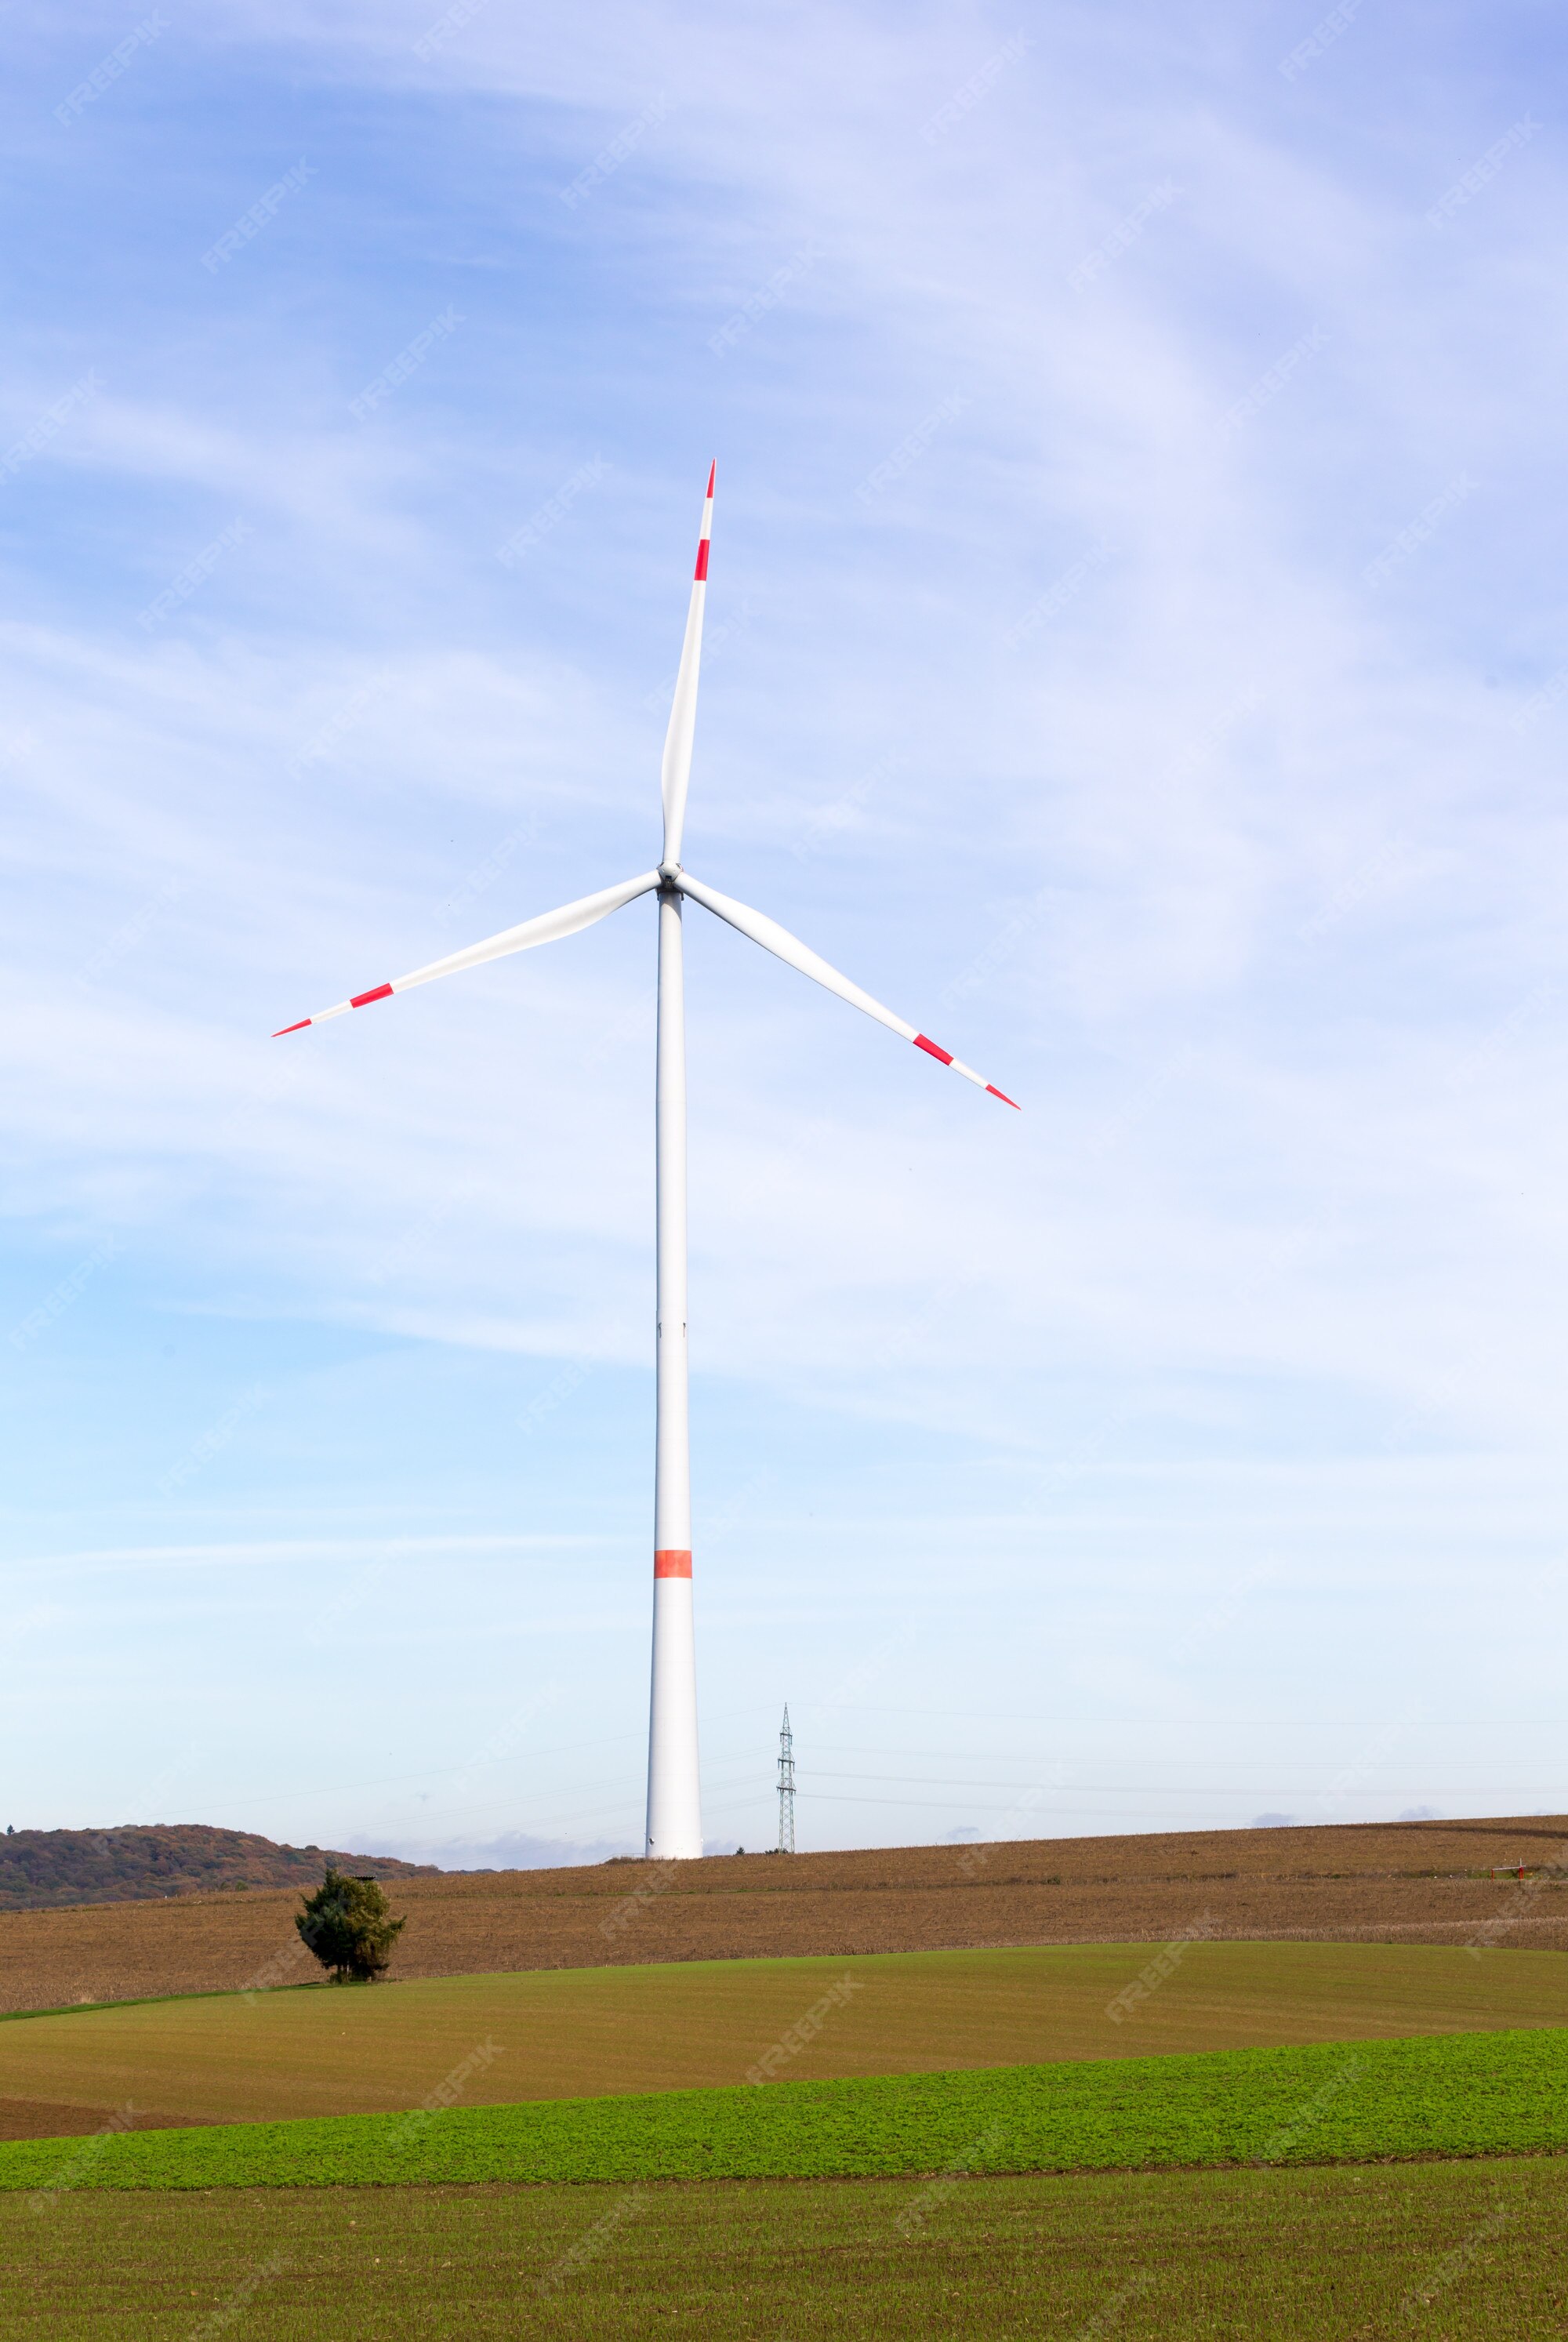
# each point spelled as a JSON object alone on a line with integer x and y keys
{"x": 670, "y": 873}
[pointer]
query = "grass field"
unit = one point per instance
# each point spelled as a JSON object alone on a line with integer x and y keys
{"x": 1448, "y": 2095}
{"x": 571, "y": 2033}
{"x": 1462, "y": 2251}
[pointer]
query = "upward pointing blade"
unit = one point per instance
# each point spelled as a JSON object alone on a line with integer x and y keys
{"x": 794, "y": 953}
{"x": 547, "y": 928}
{"x": 677, "y": 771}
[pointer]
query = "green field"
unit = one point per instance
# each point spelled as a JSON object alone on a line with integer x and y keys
{"x": 576, "y": 2032}
{"x": 1442, "y": 2095}
{"x": 1467, "y": 2252}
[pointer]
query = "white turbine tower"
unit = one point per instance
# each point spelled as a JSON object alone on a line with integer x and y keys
{"x": 674, "y": 1826}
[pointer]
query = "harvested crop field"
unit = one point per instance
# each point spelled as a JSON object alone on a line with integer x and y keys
{"x": 1465, "y": 2250}
{"x": 1416, "y": 1882}
{"x": 579, "y": 2032}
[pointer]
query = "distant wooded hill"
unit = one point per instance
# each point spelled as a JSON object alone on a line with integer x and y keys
{"x": 133, "y": 1864}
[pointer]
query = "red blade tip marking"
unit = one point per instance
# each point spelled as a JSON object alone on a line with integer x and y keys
{"x": 931, "y": 1049}
{"x": 712, "y": 474}
{"x": 291, "y": 1028}
{"x": 991, "y": 1091}
{"x": 380, "y": 992}
{"x": 700, "y": 573}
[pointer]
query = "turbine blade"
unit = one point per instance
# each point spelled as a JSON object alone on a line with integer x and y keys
{"x": 676, "y": 770}
{"x": 547, "y": 928}
{"x": 794, "y": 953}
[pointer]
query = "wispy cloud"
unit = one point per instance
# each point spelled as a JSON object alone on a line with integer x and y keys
{"x": 1135, "y": 816}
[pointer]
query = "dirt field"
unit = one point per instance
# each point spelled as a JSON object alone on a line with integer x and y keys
{"x": 583, "y": 2032}
{"x": 1407, "y": 1882}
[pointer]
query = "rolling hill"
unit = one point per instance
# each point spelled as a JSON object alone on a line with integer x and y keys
{"x": 41, "y": 1869}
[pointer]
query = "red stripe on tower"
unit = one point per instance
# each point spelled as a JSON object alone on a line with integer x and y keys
{"x": 672, "y": 1563}
{"x": 382, "y": 992}
{"x": 701, "y": 571}
{"x": 931, "y": 1049}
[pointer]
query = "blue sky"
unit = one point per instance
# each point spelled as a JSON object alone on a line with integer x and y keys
{"x": 1137, "y": 652}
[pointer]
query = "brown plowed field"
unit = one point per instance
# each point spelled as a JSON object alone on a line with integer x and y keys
{"x": 1401, "y": 1882}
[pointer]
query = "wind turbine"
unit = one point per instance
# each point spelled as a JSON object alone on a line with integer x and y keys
{"x": 674, "y": 1826}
